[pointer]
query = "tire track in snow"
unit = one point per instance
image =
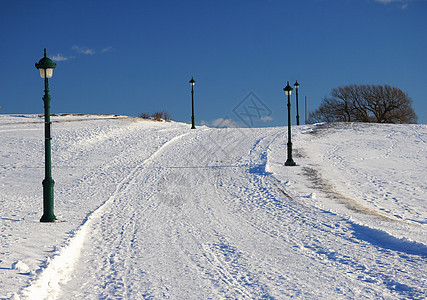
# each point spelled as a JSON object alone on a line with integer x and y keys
{"x": 59, "y": 269}
{"x": 227, "y": 267}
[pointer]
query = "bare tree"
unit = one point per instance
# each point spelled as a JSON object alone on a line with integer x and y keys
{"x": 365, "y": 103}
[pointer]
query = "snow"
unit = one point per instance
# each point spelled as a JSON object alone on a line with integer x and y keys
{"x": 153, "y": 210}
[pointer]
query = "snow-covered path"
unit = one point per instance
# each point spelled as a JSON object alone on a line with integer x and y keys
{"x": 214, "y": 214}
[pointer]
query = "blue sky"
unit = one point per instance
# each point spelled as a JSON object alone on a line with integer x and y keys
{"x": 129, "y": 57}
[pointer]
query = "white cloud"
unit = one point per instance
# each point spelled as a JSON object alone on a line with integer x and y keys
{"x": 393, "y": 1}
{"x": 224, "y": 123}
{"x": 404, "y": 3}
{"x": 60, "y": 57}
{"x": 107, "y": 49}
{"x": 83, "y": 50}
{"x": 221, "y": 123}
{"x": 266, "y": 119}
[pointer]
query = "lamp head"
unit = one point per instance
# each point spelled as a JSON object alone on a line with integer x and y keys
{"x": 288, "y": 89}
{"x": 46, "y": 66}
{"x": 296, "y": 84}
{"x": 192, "y": 81}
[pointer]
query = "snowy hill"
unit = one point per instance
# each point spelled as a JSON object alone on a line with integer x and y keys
{"x": 154, "y": 210}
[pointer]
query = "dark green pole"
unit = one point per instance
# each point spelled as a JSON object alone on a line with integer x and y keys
{"x": 289, "y": 161}
{"x": 296, "y": 85}
{"x": 305, "y": 110}
{"x": 46, "y": 66}
{"x": 48, "y": 182}
{"x": 193, "y": 125}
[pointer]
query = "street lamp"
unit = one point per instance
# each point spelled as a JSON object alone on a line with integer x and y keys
{"x": 192, "y": 82}
{"x": 296, "y": 85}
{"x": 289, "y": 161}
{"x": 46, "y": 66}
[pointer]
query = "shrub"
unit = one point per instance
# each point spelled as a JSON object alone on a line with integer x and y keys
{"x": 158, "y": 116}
{"x": 166, "y": 116}
{"x": 145, "y": 115}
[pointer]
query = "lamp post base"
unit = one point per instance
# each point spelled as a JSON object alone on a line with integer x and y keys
{"x": 48, "y": 215}
{"x": 193, "y": 124}
{"x": 48, "y": 219}
{"x": 290, "y": 161}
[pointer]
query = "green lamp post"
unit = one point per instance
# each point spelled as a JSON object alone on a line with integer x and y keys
{"x": 296, "y": 85}
{"x": 192, "y": 82}
{"x": 289, "y": 161}
{"x": 46, "y": 66}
